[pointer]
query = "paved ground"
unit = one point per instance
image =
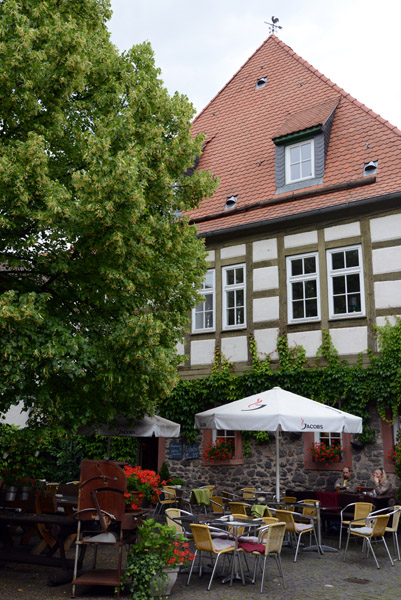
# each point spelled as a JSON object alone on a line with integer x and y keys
{"x": 328, "y": 578}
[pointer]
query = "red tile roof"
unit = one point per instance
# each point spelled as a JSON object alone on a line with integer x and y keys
{"x": 240, "y": 122}
{"x": 307, "y": 117}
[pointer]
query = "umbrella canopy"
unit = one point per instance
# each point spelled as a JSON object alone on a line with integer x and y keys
{"x": 146, "y": 427}
{"x": 278, "y": 410}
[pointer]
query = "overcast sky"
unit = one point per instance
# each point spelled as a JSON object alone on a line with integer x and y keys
{"x": 200, "y": 45}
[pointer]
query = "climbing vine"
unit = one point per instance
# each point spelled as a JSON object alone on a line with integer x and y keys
{"x": 330, "y": 380}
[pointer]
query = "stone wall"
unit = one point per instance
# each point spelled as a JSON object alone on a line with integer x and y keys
{"x": 258, "y": 469}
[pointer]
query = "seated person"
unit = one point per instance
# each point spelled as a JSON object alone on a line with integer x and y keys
{"x": 382, "y": 485}
{"x": 346, "y": 482}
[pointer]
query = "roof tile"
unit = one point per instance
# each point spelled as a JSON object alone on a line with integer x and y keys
{"x": 240, "y": 122}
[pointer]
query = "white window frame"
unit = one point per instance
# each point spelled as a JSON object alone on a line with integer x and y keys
{"x": 288, "y": 163}
{"x": 233, "y": 288}
{"x": 302, "y": 279}
{"x": 332, "y": 273}
{"x": 226, "y": 434}
{"x": 206, "y": 292}
{"x": 328, "y": 438}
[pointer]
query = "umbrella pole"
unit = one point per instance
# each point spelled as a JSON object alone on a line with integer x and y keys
{"x": 278, "y": 464}
{"x": 108, "y": 448}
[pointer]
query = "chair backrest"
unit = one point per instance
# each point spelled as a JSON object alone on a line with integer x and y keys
{"x": 286, "y": 517}
{"x": 273, "y": 541}
{"x": 217, "y": 505}
{"x": 237, "y": 507}
{"x": 237, "y": 530}
{"x": 169, "y": 493}
{"x": 248, "y": 493}
{"x": 269, "y": 520}
{"x": 102, "y": 485}
{"x": 288, "y": 502}
{"x": 309, "y": 510}
{"x": 202, "y": 538}
{"x": 379, "y": 526}
{"x": 362, "y": 509}
{"x": 396, "y": 518}
{"x": 174, "y": 513}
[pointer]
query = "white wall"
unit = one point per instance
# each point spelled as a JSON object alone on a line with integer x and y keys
{"x": 202, "y": 352}
{"x": 235, "y": 349}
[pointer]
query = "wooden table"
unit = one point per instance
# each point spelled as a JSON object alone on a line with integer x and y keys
{"x": 61, "y": 527}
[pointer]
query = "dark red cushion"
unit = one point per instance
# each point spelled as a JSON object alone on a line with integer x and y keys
{"x": 252, "y": 547}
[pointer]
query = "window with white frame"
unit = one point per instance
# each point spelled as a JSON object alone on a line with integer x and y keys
{"x": 226, "y": 436}
{"x": 330, "y": 439}
{"x": 203, "y": 315}
{"x": 303, "y": 288}
{"x": 345, "y": 282}
{"x": 234, "y": 305}
{"x": 299, "y": 161}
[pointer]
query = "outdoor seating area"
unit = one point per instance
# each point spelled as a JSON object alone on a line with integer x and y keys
{"x": 238, "y": 545}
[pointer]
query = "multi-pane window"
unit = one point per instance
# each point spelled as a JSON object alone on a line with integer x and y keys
{"x": 203, "y": 315}
{"x": 234, "y": 297}
{"x": 225, "y": 435}
{"x": 299, "y": 161}
{"x": 303, "y": 288}
{"x": 345, "y": 282}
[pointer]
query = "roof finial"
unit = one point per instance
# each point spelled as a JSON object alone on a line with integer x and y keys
{"x": 273, "y": 25}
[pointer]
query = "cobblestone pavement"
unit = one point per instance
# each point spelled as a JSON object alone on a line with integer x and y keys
{"x": 327, "y": 578}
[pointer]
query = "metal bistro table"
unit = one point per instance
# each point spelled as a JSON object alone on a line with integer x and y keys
{"x": 233, "y": 525}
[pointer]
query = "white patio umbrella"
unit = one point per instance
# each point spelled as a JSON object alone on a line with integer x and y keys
{"x": 278, "y": 410}
{"x": 146, "y": 427}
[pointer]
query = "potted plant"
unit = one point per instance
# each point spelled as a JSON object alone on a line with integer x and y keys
{"x": 222, "y": 449}
{"x": 141, "y": 484}
{"x": 154, "y": 560}
{"x": 322, "y": 452}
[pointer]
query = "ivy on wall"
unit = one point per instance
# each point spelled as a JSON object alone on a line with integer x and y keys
{"x": 330, "y": 380}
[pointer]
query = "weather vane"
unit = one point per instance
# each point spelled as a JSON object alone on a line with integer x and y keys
{"x": 273, "y": 25}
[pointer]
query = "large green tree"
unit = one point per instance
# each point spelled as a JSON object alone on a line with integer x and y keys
{"x": 97, "y": 274}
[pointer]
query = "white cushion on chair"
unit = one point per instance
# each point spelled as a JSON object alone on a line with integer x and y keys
{"x": 363, "y": 530}
{"x": 302, "y": 526}
{"x": 220, "y": 545}
{"x": 102, "y": 538}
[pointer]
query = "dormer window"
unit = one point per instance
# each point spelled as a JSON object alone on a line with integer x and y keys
{"x": 302, "y": 143}
{"x": 299, "y": 162}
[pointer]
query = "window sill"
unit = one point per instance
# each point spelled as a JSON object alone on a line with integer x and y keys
{"x": 225, "y": 462}
{"x": 350, "y": 316}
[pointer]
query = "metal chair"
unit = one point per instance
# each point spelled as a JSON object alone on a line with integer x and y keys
{"x": 394, "y": 529}
{"x": 239, "y": 508}
{"x": 217, "y": 505}
{"x": 394, "y": 512}
{"x": 375, "y": 528}
{"x": 288, "y": 503}
{"x": 170, "y": 499}
{"x": 296, "y": 530}
{"x": 180, "y": 519}
{"x": 101, "y": 510}
{"x": 249, "y": 493}
{"x": 213, "y": 546}
{"x": 361, "y": 511}
{"x": 269, "y": 543}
